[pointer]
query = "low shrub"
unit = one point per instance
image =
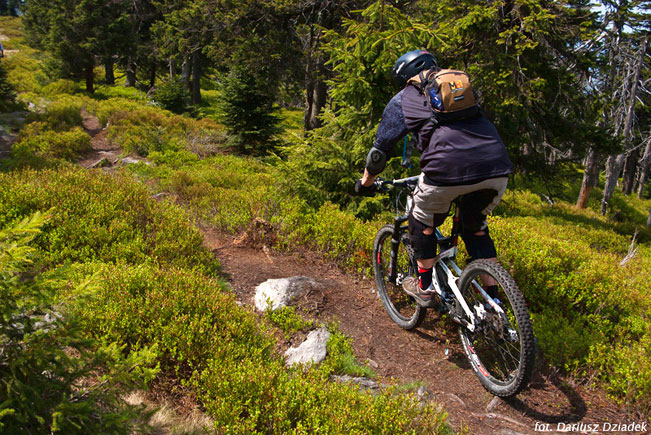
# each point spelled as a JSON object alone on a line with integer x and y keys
{"x": 102, "y": 217}
{"x": 49, "y": 144}
{"x": 61, "y": 114}
{"x": 226, "y": 356}
{"x": 582, "y": 300}
{"x": 173, "y": 96}
{"x": 54, "y": 379}
{"x": 61, "y": 86}
{"x": 288, "y": 320}
{"x": 26, "y": 72}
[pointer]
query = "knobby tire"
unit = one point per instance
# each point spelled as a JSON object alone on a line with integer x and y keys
{"x": 503, "y": 364}
{"x": 402, "y": 308}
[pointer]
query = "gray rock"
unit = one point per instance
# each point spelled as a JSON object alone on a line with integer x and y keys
{"x": 361, "y": 381}
{"x": 133, "y": 161}
{"x": 311, "y": 351}
{"x": 281, "y": 292}
{"x": 101, "y": 163}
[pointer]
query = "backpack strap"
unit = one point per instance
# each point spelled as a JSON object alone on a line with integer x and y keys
{"x": 422, "y": 79}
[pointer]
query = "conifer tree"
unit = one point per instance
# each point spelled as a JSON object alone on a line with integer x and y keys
{"x": 77, "y": 33}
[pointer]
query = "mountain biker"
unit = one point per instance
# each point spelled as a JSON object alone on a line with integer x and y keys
{"x": 464, "y": 158}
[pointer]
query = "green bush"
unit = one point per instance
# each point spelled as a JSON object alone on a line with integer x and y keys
{"x": 26, "y": 71}
{"x": 60, "y": 114}
{"x": 61, "y": 86}
{"x": 54, "y": 380}
{"x": 49, "y": 144}
{"x": 288, "y": 320}
{"x": 227, "y": 356}
{"x": 7, "y": 93}
{"x": 173, "y": 96}
{"x": 247, "y": 110}
{"x": 102, "y": 217}
{"x": 143, "y": 129}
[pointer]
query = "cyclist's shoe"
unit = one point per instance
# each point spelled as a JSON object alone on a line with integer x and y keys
{"x": 424, "y": 298}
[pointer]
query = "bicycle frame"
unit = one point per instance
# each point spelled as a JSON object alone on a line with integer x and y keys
{"x": 445, "y": 259}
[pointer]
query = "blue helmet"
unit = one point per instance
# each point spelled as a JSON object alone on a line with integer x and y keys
{"x": 410, "y": 64}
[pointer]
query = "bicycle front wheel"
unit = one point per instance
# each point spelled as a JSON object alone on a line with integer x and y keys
{"x": 389, "y": 277}
{"x": 501, "y": 350}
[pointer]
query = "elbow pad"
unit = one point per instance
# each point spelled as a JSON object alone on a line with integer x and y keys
{"x": 376, "y": 161}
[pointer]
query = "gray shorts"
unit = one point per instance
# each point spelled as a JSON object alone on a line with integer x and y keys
{"x": 432, "y": 203}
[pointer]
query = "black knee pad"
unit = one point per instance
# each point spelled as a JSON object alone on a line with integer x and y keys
{"x": 479, "y": 246}
{"x": 424, "y": 245}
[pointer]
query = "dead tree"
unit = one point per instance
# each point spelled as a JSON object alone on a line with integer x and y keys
{"x": 624, "y": 115}
{"x": 590, "y": 177}
{"x": 644, "y": 165}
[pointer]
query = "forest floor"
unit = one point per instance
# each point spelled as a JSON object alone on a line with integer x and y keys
{"x": 430, "y": 355}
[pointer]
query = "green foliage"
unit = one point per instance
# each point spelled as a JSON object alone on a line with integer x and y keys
{"x": 7, "y": 93}
{"x": 341, "y": 358}
{"x": 61, "y": 114}
{"x": 26, "y": 72}
{"x": 288, "y": 320}
{"x": 582, "y": 301}
{"x": 173, "y": 96}
{"x": 142, "y": 129}
{"x": 247, "y": 110}
{"x": 521, "y": 57}
{"x": 325, "y": 166}
{"x": 61, "y": 86}
{"x": 226, "y": 355}
{"x": 41, "y": 148}
{"x": 53, "y": 379}
{"x": 99, "y": 217}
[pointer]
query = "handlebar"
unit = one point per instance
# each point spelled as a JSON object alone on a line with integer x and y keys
{"x": 401, "y": 182}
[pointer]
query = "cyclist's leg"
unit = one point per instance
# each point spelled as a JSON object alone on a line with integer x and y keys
{"x": 475, "y": 206}
{"x": 430, "y": 208}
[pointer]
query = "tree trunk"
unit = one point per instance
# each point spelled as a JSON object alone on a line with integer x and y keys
{"x": 613, "y": 169}
{"x": 196, "y": 78}
{"x": 186, "y": 72}
{"x": 630, "y": 169}
{"x": 109, "y": 75}
{"x": 309, "y": 95}
{"x": 172, "y": 66}
{"x": 130, "y": 80}
{"x": 90, "y": 79}
{"x": 648, "y": 220}
{"x": 152, "y": 76}
{"x": 319, "y": 97}
{"x": 590, "y": 177}
{"x": 309, "y": 80}
{"x": 646, "y": 162}
{"x": 614, "y": 165}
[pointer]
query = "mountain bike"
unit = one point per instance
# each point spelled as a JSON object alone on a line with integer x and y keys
{"x": 496, "y": 333}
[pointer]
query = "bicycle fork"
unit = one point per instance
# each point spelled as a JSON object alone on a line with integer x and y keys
{"x": 395, "y": 244}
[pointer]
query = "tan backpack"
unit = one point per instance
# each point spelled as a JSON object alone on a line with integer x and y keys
{"x": 449, "y": 92}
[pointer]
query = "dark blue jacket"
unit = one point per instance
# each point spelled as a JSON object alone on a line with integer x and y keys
{"x": 460, "y": 152}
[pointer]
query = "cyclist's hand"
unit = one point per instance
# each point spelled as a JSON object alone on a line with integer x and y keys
{"x": 362, "y": 190}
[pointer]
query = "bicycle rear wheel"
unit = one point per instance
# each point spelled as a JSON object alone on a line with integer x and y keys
{"x": 501, "y": 350}
{"x": 401, "y": 307}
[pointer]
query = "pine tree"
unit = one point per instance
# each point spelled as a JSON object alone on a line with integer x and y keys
{"x": 77, "y": 33}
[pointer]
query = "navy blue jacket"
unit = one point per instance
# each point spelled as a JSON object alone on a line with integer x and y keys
{"x": 459, "y": 152}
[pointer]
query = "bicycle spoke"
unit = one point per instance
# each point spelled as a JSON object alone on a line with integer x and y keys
{"x": 502, "y": 348}
{"x": 401, "y": 308}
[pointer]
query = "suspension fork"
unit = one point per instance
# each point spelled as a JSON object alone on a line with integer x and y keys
{"x": 395, "y": 244}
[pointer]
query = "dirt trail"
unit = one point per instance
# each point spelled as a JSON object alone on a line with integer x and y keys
{"x": 101, "y": 147}
{"x": 430, "y": 355}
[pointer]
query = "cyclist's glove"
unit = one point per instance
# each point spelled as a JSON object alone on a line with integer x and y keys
{"x": 365, "y": 190}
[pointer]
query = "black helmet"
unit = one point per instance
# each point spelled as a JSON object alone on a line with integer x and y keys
{"x": 411, "y": 64}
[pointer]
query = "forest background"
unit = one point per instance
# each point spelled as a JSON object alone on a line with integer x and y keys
{"x": 297, "y": 88}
